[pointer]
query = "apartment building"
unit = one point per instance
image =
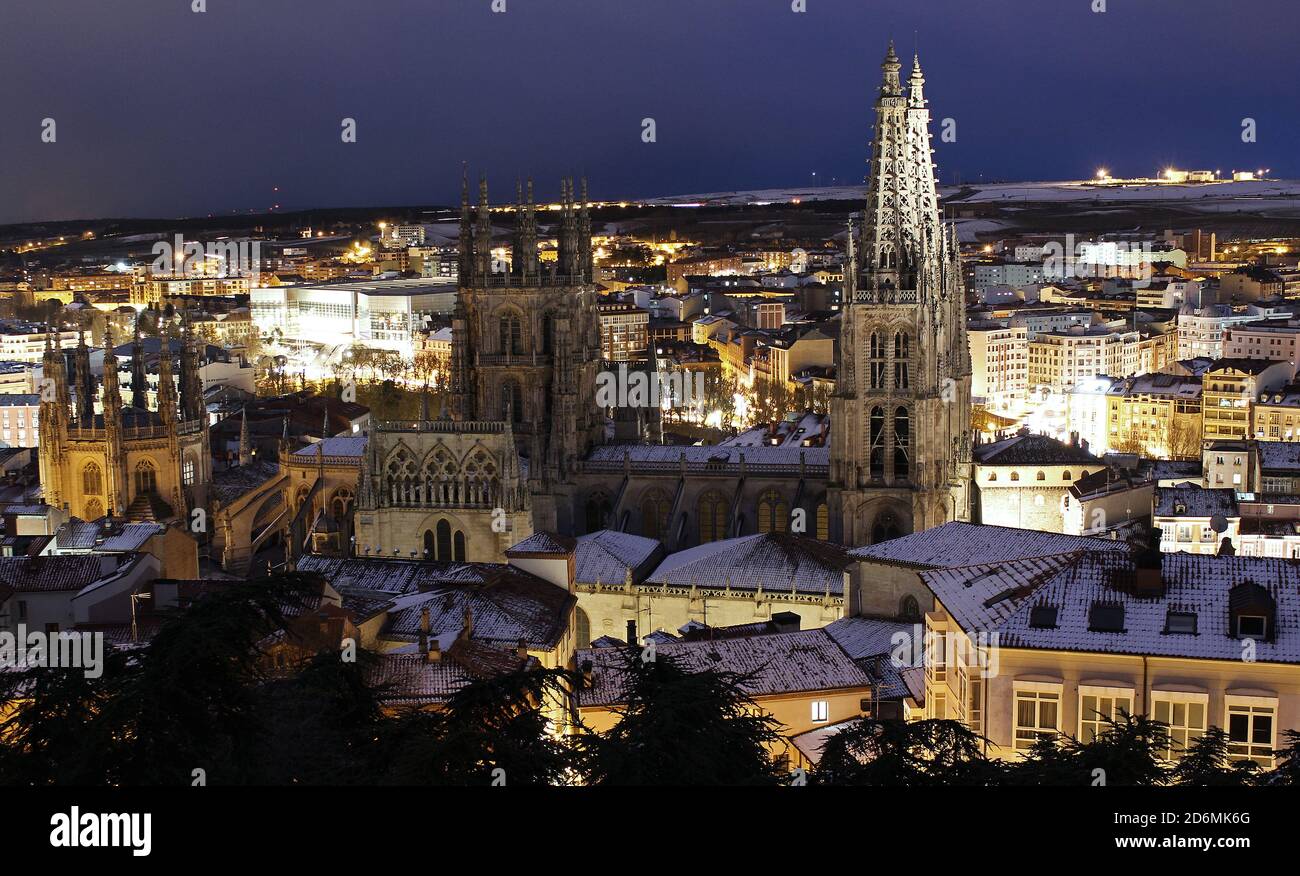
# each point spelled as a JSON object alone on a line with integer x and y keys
{"x": 1157, "y": 416}
{"x": 1229, "y": 388}
{"x": 1275, "y": 339}
{"x": 999, "y": 357}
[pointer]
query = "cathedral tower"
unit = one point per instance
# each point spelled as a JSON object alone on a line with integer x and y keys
{"x": 900, "y": 441}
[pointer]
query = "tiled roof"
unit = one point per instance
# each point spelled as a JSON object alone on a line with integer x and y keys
{"x": 606, "y": 556}
{"x": 964, "y": 544}
{"x": 79, "y": 534}
{"x": 232, "y": 483}
{"x": 339, "y": 445}
{"x": 507, "y": 604}
{"x": 999, "y": 598}
{"x": 1280, "y": 456}
{"x": 866, "y": 637}
{"x": 543, "y": 542}
{"x": 1033, "y": 450}
{"x": 55, "y": 573}
{"x": 1195, "y": 502}
{"x": 808, "y": 660}
{"x": 775, "y": 561}
{"x": 659, "y": 453}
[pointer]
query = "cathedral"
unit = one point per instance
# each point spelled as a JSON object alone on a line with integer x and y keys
{"x": 127, "y": 460}
{"x": 900, "y": 415}
{"x": 525, "y": 445}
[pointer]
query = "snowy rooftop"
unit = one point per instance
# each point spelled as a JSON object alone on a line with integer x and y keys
{"x": 657, "y": 454}
{"x": 341, "y": 445}
{"x": 781, "y": 663}
{"x": 606, "y": 556}
{"x": 1195, "y": 502}
{"x": 1000, "y": 597}
{"x": 964, "y": 544}
{"x": 777, "y": 562}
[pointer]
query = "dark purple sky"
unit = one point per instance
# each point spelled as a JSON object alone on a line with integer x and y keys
{"x": 165, "y": 112}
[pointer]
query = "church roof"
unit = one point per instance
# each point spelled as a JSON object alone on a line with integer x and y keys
{"x": 230, "y": 484}
{"x": 775, "y": 561}
{"x": 339, "y": 445}
{"x": 1032, "y": 450}
{"x": 543, "y": 542}
{"x": 606, "y": 556}
{"x": 660, "y": 455}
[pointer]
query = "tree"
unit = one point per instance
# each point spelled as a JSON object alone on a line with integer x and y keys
{"x": 895, "y": 753}
{"x": 1127, "y": 751}
{"x": 1288, "y": 762}
{"x": 1207, "y": 764}
{"x": 492, "y": 730}
{"x": 682, "y": 728}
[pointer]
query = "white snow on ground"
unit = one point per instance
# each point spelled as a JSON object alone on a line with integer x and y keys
{"x": 1261, "y": 194}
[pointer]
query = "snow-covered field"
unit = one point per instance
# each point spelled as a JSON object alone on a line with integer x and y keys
{"x": 1263, "y": 195}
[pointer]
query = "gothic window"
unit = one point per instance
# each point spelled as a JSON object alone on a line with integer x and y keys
{"x": 901, "y": 359}
{"x": 341, "y": 503}
{"x": 440, "y": 471}
{"x": 773, "y": 512}
{"x": 902, "y": 443}
{"x": 444, "y": 541}
{"x": 885, "y": 528}
{"x": 146, "y": 478}
{"x": 512, "y": 401}
{"x": 877, "y": 361}
{"x": 598, "y": 511}
{"x": 655, "y": 507}
{"x": 429, "y": 548}
{"x": 877, "y": 443}
{"x": 458, "y": 544}
{"x": 301, "y": 497}
{"x": 187, "y": 470}
{"x": 583, "y": 628}
{"x": 909, "y": 609}
{"x": 94, "y": 510}
{"x": 481, "y": 479}
{"x": 888, "y": 259}
{"x": 823, "y": 522}
{"x": 92, "y": 480}
{"x": 713, "y": 517}
{"x": 401, "y": 478}
{"x": 510, "y": 334}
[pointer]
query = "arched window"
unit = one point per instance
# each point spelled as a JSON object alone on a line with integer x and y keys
{"x": 902, "y": 443}
{"x": 885, "y": 528}
{"x": 1067, "y": 476}
{"x": 655, "y": 507}
{"x": 1041, "y": 476}
{"x": 401, "y": 476}
{"x": 341, "y": 504}
{"x": 598, "y": 511}
{"x": 877, "y": 443}
{"x": 1015, "y": 476}
{"x": 510, "y": 334}
{"x": 713, "y": 517}
{"x": 901, "y": 356}
{"x": 94, "y": 509}
{"x": 909, "y": 609}
{"x": 444, "y": 541}
{"x": 823, "y": 522}
{"x": 512, "y": 401}
{"x": 583, "y": 631}
{"x": 993, "y": 476}
{"x": 459, "y": 543}
{"x": 773, "y": 512}
{"x": 146, "y": 478}
{"x": 92, "y": 480}
{"x": 187, "y": 470}
{"x": 430, "y": 551}
{"x": 877, "y": 361}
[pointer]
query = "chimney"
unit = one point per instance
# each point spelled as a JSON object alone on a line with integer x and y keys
{"x": 424, "y": 629}
{"x": 434, "y": 652}
{"x": 522, "y": 650}
{"x": 631, "y": 632}
{"x": 786, "y": 621}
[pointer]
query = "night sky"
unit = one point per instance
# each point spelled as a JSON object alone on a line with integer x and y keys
{"x": 164, "y": 112}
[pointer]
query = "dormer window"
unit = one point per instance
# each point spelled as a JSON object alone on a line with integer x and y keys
{"x": 1106, "y": 617}
{"x": 1043, "y": 617}
{"x": 1181, "y": 622}
{"x": 1252, "y": 626}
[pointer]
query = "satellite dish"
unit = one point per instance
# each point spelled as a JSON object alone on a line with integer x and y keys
{"x": 1219, "y": 523}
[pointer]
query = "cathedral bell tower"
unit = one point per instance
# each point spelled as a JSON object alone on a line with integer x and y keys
{"x": 900, "y": 437}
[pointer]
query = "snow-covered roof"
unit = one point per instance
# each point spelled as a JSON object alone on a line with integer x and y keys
{"x": 964, "y": 544}
{"x": 775, "y": 561}
{"x": 1195, "y": 502}
{"x": 339, "y": 445}
{"x": 700, "y": 456}
{"x": 1280, "y": 456}
{"x": 808, "y": 660}
{"x": 1000, "y": 597}
{"x": 607, "y": 556}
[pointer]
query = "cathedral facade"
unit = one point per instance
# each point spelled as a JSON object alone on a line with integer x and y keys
{"x": 900, "y": 415}
{"x": 126, "y": 461}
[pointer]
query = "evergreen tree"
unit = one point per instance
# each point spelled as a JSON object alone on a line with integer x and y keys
{"x": 926, "y": 753}
{"x": 1207, "y": 764}
{"x": 682, "y": 728}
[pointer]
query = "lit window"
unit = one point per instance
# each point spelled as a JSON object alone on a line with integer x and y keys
{"x": 820, "y": 711}
{"x": 1184, "y": 717}
{"x": 1100, "y": 705}
{"x": 1251, "y": 727}
{"x": 1037, "y": 714}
